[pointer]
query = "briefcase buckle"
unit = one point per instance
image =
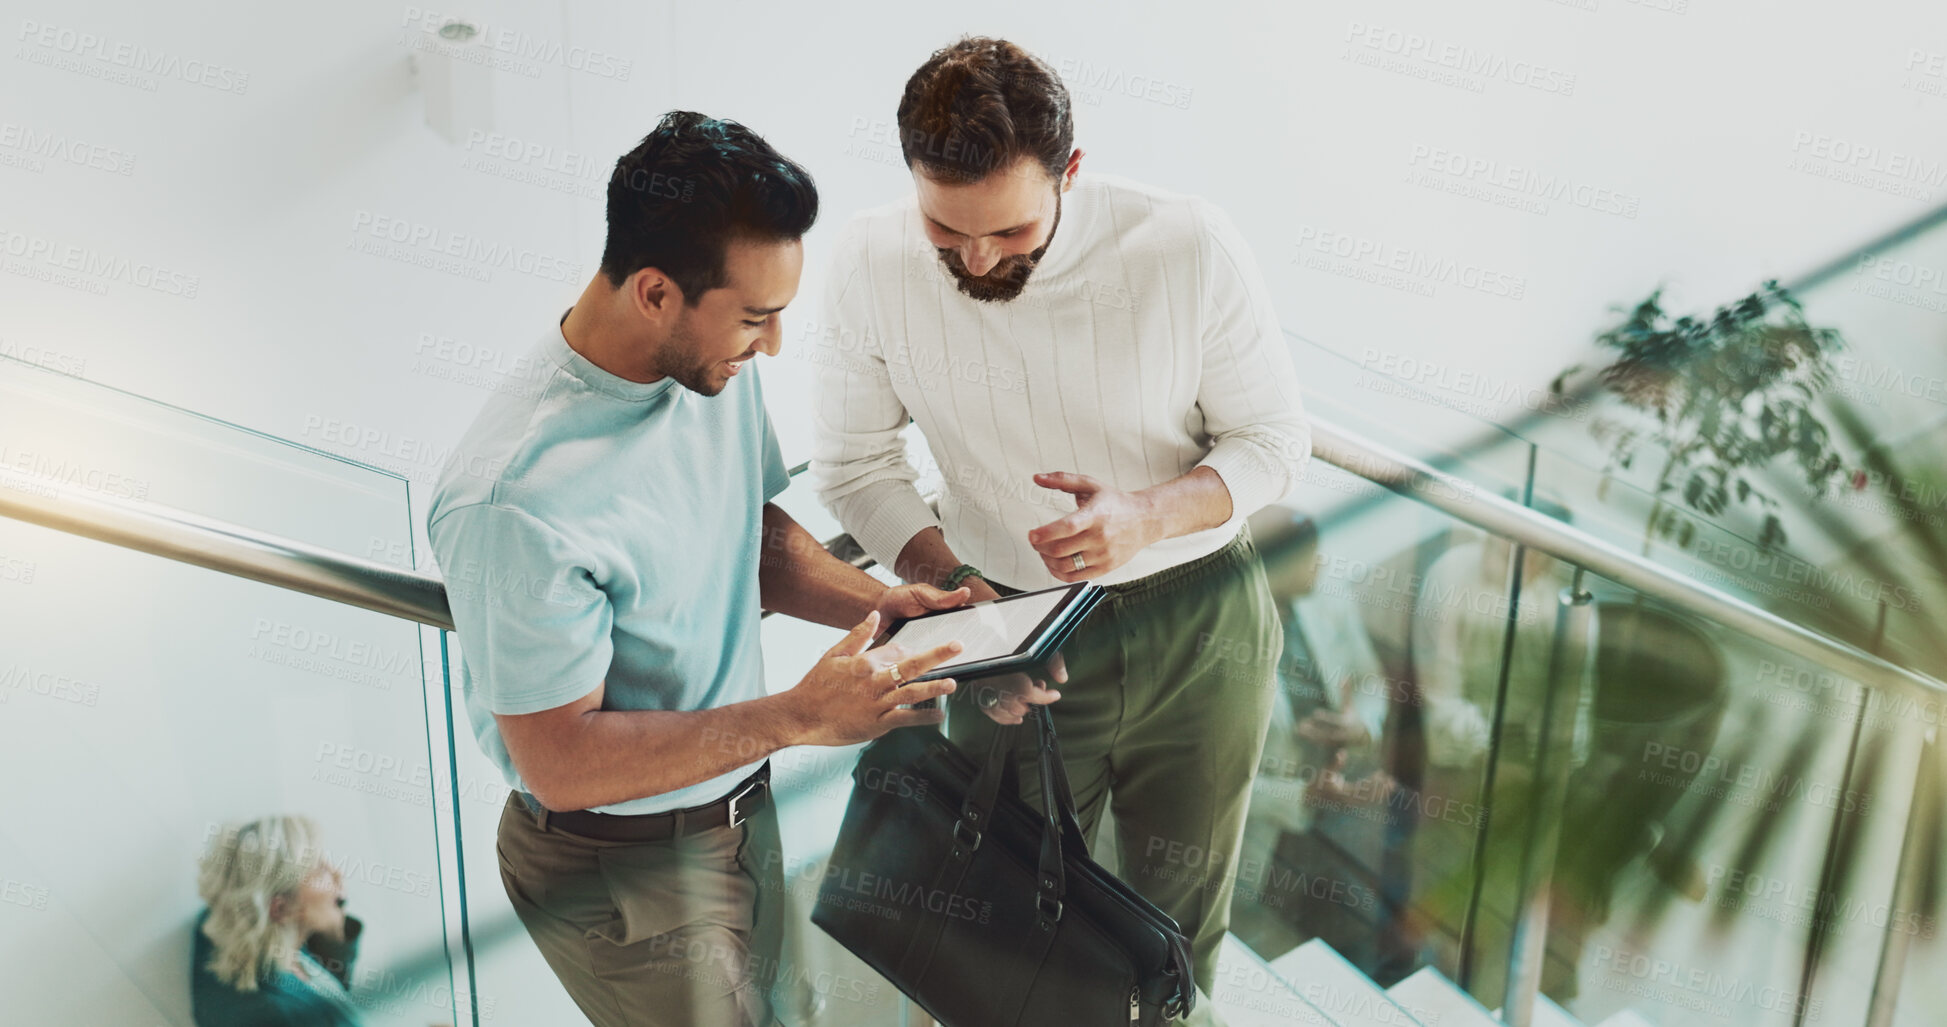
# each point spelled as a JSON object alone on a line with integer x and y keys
{"x": 1048, "y": 906}
{"x": 966, "y": 836}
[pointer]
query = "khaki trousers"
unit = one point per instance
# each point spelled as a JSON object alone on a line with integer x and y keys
{"x": 1162, "y": 720}
{"x": 662, "y": 934}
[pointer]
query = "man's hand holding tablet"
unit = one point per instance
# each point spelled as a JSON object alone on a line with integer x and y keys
{"x": 855, "y": 693}
{"x": 1011, "y": 645}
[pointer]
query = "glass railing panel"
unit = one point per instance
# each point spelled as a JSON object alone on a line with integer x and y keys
{"x": 1890, "y": 304}
{"x": 1437, "y": 413}
{"x": 1725, "y": 827}
{"x": 1839, "y": 586}
{"x": 1887, "y": 408}
{"x": 63, "y": 431}
{"x": 1367, "y": 806}
{"x": 1872, "y": 532}
{"x": 1917, "y": 941}
{"x": 145, "y": 705}
{"x": 1831, "y": 579}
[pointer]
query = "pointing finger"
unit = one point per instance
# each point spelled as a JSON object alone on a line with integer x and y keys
{"x": 856, "y": 639}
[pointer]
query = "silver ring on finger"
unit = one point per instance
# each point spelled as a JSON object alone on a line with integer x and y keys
{"x": 1080, "y": 564}
{"x": 898, "y": 676}
{"x": 988, "y": 699}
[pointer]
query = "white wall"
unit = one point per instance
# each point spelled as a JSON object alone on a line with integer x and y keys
{"x": 1694, "y": 115}
{"x": 1710, "y": 121}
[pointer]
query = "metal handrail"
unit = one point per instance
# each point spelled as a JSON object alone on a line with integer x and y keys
{"x": 286, "y": 563}
{"x": 1464, "y": 501}
{"x": 232, "y": 549}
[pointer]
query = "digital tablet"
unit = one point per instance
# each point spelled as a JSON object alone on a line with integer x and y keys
{"x": 1001, "y": 636}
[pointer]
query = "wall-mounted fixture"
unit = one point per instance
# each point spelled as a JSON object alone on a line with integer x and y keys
{"x": 456, "y": 72}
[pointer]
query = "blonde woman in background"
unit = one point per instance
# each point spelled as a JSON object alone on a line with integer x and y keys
{"x": 269, "y": 890}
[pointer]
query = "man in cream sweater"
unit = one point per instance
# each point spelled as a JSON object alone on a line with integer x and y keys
{"x": 1097, "y": 369}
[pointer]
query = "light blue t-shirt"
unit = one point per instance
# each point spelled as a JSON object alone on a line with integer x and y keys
{"x": 591, "y": 528}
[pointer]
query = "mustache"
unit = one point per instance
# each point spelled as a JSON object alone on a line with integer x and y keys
{"x": 1003, "y": 281}
{"x": 1008, "y": 277}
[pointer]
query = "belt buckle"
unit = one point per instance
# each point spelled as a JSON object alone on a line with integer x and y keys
{"x": 737, "y": 816}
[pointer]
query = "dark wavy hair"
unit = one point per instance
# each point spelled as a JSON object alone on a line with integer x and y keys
{"x": 691, "y": 186}
{"x": 981, "y": 104}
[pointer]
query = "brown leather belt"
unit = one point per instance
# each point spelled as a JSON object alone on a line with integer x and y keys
{"x": 730, "y": 811}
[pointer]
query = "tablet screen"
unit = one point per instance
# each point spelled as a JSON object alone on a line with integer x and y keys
{"x": 988, "y": 630}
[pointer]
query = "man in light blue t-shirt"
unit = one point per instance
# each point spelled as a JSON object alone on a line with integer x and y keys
{"x": 608, "y": 544}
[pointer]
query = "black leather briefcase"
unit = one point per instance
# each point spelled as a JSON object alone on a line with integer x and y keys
{"x": 985, "y": 911}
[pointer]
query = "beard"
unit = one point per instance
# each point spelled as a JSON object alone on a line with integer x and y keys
{"x": 687, "y": 365}
{"x": 1006, "y": 279}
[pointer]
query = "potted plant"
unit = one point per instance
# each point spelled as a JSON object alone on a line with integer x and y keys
{"x": 1719, "y": 398}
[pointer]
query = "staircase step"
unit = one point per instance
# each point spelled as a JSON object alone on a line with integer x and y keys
{"x": 1248, "y": 993}
{"x": 1626, "y": 1018}
{"x": 1434, "y": 999}
{"x": 1548, "y": 1014}
{"x": 1338, "y": 988}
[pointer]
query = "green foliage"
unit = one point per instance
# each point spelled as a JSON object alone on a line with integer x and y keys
{"x": 1721, "y": 398}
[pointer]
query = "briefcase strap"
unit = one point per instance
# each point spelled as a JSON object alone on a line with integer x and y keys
{"x": 976, "y": 811}
{"x": 1052, "y": 885}
{"x": 970, "y": 830}
{"x": 1180, "y": 1004}
{"x": 1045, "y": 722}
